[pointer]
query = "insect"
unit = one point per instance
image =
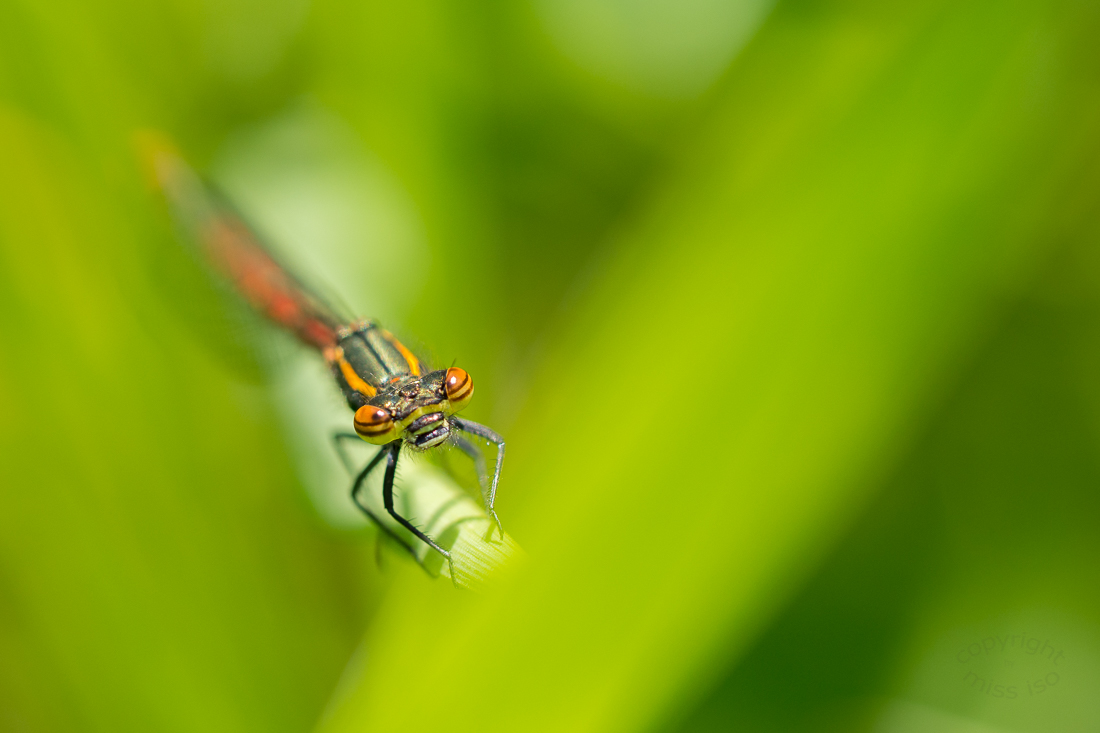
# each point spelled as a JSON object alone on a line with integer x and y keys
{"x": 398, "y": 402}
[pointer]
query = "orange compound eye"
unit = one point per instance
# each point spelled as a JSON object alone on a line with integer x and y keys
{"x": 375, "y": 425}
{"x": 459, "y": 388}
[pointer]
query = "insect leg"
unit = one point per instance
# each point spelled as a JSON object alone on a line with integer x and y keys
{"x": 481, "y": 431}
{"x": 478, "y": 458}
{"x": 394, "y": 450}
{"x": 338, "y": 441}
{"x": 360, "y": 478}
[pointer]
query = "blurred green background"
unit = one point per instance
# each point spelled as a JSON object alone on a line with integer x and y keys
{"x": 789, "y": 312}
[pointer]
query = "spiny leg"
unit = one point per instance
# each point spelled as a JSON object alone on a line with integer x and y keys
{"x": 337, "y": 441}
{"x": 358, "y": 484}
{"x": 478, "y": 458}
{"x": 481, "y": 431}
{"x": 394, "y": 450}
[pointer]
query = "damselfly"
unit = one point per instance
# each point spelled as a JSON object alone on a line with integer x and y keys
{"x": 398, "y": 402}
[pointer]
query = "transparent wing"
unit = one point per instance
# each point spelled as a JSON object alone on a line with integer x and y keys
{"x": 234, "y": 249}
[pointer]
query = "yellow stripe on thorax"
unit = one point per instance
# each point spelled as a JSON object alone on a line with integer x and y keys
{"x": 354, "y": 381}
{"x": 410, "y": 358}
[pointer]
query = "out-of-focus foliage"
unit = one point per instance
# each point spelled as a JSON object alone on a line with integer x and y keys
{"x": 790, "y": 315}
